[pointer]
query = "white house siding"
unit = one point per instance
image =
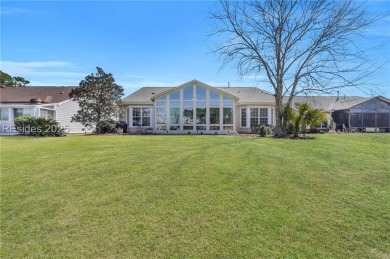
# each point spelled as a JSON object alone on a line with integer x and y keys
{"x": 64, "y": 113}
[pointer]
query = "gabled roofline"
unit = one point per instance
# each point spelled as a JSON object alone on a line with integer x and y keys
{"x": 382, "y": 98}
{"x": 194, "y": 81}
{"x": 369, "y": 99}
{"x": 366, "y": 100}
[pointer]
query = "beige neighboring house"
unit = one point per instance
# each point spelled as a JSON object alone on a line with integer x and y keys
{"x": 38, "y": 101}
{"x": 195, "y": 108}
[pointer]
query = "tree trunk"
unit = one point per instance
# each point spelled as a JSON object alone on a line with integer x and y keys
{"x": 281, "y": 116}
{"x": 296, "y": 129}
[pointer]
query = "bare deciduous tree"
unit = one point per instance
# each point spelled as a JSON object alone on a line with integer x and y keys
{"x": 300, "y": 46}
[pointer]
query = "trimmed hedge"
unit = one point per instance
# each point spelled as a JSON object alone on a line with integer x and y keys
{"x": 106, "y": 126}
{"x": 32, "y": 126}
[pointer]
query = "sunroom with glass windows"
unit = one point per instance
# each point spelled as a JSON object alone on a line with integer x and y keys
{"x": 194, "y": 108}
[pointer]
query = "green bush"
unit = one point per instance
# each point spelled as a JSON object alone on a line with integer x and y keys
{"x": 106, "y": 126}
{"x": 264, "y": 130}
{"x": 32, "y": 126}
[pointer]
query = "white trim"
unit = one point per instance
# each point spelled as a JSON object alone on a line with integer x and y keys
{"x": 60, "y": 103}
{"x": 141, "y": 116}
{"x": 246, "y": 117}
{"x": 269, "y": 110}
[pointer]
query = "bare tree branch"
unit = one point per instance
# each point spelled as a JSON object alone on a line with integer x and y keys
{"x": 301, "y": 46}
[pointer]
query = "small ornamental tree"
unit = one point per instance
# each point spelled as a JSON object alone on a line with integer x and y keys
{"x": 98, "y": 97}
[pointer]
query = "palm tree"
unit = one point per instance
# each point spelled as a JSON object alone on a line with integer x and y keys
{"x": 314, "y": 117}
{"x": 304, "y": 115}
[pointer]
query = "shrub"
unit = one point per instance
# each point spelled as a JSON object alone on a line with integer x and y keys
{"x": 32, "y": 126}
{"x": 264, "y": 130}
{"x": 255, "y": 128}
{"x": 106, "y": 126}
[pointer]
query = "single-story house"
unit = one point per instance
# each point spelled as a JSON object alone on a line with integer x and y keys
{"x": 195, "y": 107}
{"x": 46, "y": 101}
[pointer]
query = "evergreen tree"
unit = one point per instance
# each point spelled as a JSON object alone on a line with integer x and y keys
{"x": 5, "y": 79}
{"x": 98, "y": 97}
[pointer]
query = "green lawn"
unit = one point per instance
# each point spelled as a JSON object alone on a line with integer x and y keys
{"x": 195, "y": 196}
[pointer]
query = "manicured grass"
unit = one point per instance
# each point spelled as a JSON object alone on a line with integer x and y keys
{"x": 195, "y": 196}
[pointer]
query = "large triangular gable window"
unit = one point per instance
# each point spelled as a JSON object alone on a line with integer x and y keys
{"x": 194, "y": 107}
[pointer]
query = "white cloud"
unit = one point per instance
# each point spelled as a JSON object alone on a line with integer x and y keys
{"x": 34, "y": 64}
{"x": 21, "y": 11}
{"x": 13, "y": 10}
{"x": 378, "y": 31}
{"x": 39, "y": 69}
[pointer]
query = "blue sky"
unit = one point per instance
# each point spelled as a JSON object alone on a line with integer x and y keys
{"x": 140, "y": 43}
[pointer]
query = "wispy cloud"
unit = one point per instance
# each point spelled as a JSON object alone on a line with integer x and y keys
{"x": 20, "y": 11}
{"x": 378, "y": 31}
{"x": 37, "y": 63}
{"x": 39, "y": 69}
{"x": 13, "y": 10}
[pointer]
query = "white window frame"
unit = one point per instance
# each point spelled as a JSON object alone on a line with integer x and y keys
{"x": 141, "y": 116}
{"x": 246, "y": 117}
{"x": 7, "y": 112}
{"x": 269, "y": 117}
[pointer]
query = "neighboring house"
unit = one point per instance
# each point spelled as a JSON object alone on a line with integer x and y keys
{"x": 372, "y": 114}
{"x": 46, "y": 101}
{"x": 352, "y": 112}
{"x": 195, "y": 107}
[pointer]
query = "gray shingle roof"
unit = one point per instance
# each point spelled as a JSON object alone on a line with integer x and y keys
{"x": 143, "y": 95}
{"x": 329, "y": 103}
{"x": 255, "y": 96}
{"x": 246, "y": 95}
{"x": 47, "y": 94}
{"x": 249, "y": 95}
